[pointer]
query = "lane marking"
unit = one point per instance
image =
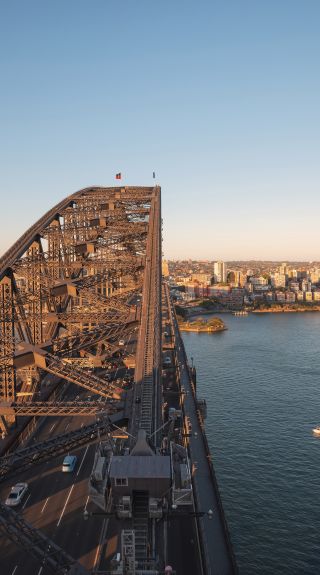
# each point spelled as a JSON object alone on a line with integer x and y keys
{"x": 66, "y": 427}
{"x": 42, "y": 510}
{"x": 97, "y": 558}
{"x": 26, "y": 501}
{"x": 85, "y": 507}
{"x": 85, "y": 453}
{"x": 40, "y": 570}
{"x": 14, "y": 570}
{"x": 65, "y": 505}
{"x": 102, "y": 539}
{"x": 52, "y": 427}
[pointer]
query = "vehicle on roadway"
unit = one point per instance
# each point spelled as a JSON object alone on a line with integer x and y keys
{"x": 16, "y": 494}
{"x": 121, "y": 342}
{"x": 167, "y": 360}
{"x": 69, "y": 463}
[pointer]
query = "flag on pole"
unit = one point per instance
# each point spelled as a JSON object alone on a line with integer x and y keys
{"x": 118, "y": 176}
{"x": 153, "y": 175}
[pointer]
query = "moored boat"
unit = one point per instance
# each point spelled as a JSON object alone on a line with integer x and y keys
{"x": 316, "y": 430}
{"x": 239, "y": 313}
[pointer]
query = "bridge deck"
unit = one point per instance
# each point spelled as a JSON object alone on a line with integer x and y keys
{"x": 215, "y": 540}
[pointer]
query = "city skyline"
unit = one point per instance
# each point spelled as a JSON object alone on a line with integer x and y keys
{"x": 221, "y": 101}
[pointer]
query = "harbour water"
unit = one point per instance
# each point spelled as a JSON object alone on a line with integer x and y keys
{"x": 261, "y": 380}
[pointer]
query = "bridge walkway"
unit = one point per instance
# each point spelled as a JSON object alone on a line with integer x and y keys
{"x": 215, "y": 539}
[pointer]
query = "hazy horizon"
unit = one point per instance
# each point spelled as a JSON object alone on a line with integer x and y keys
{"x": 220, "y": 99}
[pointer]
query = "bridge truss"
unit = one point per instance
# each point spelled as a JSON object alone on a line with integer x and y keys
{"x": 81, "y": 279}
{"x": 68, "y": 293}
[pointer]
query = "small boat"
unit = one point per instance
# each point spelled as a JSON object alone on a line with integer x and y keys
{"x": 316, "y": 430}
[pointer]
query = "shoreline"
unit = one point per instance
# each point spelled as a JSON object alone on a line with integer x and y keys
{"x": 202, "y": 330}
{"x": 287, "y": 310}
{"x": 204, "y": 311}
{"x": 202, "y": 325}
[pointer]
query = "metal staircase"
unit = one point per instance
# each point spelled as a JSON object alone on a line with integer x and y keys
{"x": 141, "y": 523}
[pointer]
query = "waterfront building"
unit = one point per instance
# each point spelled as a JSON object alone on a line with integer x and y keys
{"x": 196, "y": 290}
{"x": 190, "y": 291}
{"x": 299, "y": 295}
{"x": 294, "y": 286}
{"x": 290, "y": 296}
{"x": 280, "y": 296}
{"x": 269, "y": 296}
{"x": 278, "y": 280}
{"x": 257, "y": 297}
{"x": 316, "y": 295}
{"x": 307, "y": 296}
{"x": 305, "y": 285}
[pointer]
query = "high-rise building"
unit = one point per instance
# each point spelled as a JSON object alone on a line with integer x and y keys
{"x": 292, "y": 273}
{"x": 283, "y": 269}
{"x": 165, "y": 268}
{"x": 235, "y": 278}
{"x": 219, "y": 272}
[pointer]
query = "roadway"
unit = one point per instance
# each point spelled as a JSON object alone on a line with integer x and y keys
{"x": 182, "y": 534}
{"x": 55, "y": 504}
{"x": 56, "y": 501}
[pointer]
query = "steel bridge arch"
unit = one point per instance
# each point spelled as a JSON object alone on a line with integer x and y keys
{"x": 68, "y": 293}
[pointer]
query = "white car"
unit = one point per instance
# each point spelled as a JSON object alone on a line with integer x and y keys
{"x": 121, "y": 342}
{"x": 16, "y": 494}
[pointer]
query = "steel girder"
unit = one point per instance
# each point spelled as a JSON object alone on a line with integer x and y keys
{"x": 22, "y": 459}
{"x": 95, "y": 244}
{"x": 7, "y": 339}
{"x": 80, "y": 340}
{"x": 20, "y": 532}
{"x": 76, "y": 375}
{"x": 54, "y": 408}
{"x": 147, "y": 413}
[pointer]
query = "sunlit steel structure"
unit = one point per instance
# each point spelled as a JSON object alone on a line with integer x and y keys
{"x": 68, "y": 292}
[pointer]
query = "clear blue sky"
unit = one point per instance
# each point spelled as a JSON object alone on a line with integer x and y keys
{"x": 220, "y": 98}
